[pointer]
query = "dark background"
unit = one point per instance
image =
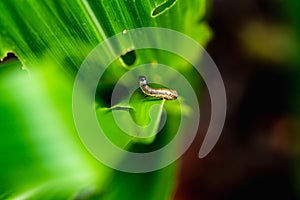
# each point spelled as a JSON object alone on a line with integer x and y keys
{"x": 256, "y": 50}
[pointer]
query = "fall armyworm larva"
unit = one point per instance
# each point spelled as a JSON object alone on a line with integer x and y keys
{"x": 162, "y": 93}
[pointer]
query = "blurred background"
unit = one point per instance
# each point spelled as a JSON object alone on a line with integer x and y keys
{"x": 256, "y": 48}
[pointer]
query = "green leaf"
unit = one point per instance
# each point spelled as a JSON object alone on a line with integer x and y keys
{"x": 65, "y": 32}
{"x": 39, "y": 148}
{"x": 41, "y": 153}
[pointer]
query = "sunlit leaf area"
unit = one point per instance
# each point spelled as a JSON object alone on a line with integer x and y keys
{"x": 255, "y": 45}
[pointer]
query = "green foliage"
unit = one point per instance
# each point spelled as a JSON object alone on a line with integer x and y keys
{"x": 41, "y": 153}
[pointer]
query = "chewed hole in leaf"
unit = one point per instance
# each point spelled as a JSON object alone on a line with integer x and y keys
{"x": 10, "y": 56}
{"x": 163, "y": 7}
{"x": 129, "y": 58}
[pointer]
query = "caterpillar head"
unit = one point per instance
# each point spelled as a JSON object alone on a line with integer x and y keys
{"x": 142, "y": 80}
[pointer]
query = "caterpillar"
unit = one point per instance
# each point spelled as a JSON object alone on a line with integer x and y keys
{"x": 162, "y": 93}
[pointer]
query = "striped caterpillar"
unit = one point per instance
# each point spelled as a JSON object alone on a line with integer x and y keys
{"x": 162, "y": 93}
